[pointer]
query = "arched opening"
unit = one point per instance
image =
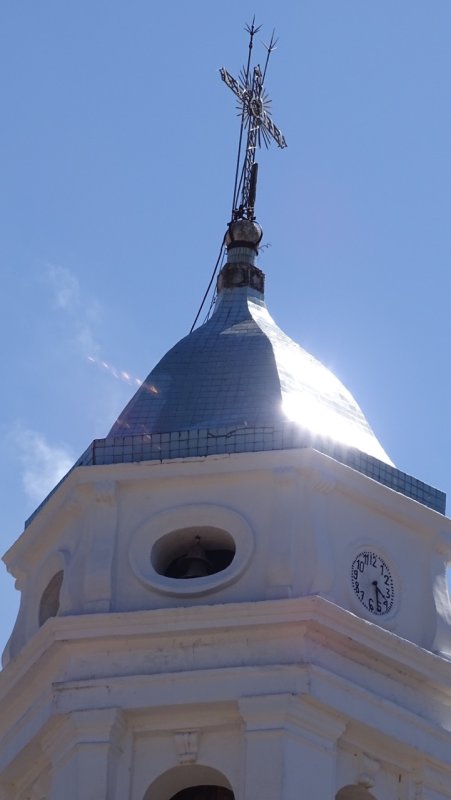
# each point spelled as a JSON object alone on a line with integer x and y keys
{"x": 190, "y": 782}
{"x": 353, "y": 792}
{"x": 193, "y": 552}
{"x": 50, "y": 599}
{"x": 204, "y": 793}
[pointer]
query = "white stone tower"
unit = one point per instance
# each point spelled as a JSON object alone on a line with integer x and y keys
{"x": 235, "y": 594}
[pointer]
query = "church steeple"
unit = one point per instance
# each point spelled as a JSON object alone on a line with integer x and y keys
{"x": 214, "y": 605}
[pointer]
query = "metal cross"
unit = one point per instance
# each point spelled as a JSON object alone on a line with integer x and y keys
{"x": 254, "y": 108}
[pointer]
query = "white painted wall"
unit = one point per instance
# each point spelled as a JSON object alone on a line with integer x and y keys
{"x": 269, "y": 678}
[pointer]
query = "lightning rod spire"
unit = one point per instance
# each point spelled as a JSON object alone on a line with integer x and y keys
{"x": 253, "y": 106}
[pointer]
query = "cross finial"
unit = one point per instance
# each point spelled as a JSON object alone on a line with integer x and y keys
{"x": 253, "y": 105}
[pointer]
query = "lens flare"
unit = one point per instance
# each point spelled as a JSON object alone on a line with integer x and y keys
{"x": 118, "y": 374}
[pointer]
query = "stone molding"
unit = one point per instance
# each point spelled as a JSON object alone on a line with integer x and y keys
{"x": 88, "y": 726}
{"x": 187, "y": 746}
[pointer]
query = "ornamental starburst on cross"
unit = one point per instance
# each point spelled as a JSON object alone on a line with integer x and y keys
{"x": 254, "y": 109}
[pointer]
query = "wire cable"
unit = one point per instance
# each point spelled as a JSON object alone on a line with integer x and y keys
{"x": 209, "y": 285}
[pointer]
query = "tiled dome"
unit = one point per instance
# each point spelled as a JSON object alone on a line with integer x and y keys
{"x": 240, "y": 370}
{"x": 238, "y": 384}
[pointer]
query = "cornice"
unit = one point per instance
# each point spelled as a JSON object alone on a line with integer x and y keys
{"x": 323, "y": 471}
{"x": 312, "y": 615}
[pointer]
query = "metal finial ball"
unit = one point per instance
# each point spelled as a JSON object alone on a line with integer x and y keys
{"x": 244, "y": 233}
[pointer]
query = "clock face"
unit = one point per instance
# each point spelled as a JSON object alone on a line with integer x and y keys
{"x": 372, "y": 582}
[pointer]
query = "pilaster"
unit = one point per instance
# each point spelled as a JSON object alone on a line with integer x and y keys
{"x": 289, "y": 743}
{"x": 102, "y": 535}
{"x": 284, "y": 517}
{"x": 84, "y": 748}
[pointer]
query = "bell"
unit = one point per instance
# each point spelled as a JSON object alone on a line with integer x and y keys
{"x": 195, "y": 563}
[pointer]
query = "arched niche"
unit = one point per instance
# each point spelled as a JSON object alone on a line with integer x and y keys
{"x": 186, "y": 779}
{"x": 50, "y": 598}
{"x": 353, "y": 792}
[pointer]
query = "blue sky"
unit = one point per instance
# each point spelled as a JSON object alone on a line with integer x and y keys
{"x": 117, "y": 145}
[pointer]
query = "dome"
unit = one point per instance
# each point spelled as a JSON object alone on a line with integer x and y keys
{"x": 240, "y": 370}
{"x": 239, "y": 384}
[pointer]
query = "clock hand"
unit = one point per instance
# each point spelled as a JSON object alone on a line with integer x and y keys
{"x": 377, "y": 589}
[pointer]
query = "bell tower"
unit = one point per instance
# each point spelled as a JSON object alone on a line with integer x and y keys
{"x": 234, "y": 595}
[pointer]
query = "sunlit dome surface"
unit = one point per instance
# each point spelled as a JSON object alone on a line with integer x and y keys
{"x": 238, "y": 384}
{"x": 240, "y": 370}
